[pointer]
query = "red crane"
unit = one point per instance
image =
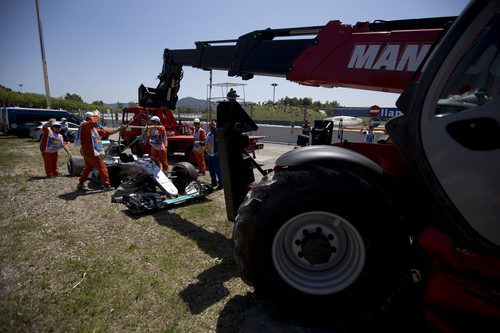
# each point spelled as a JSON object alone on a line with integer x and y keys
{"x": 335, "y": 231}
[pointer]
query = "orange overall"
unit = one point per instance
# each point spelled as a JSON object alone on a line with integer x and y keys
{"x": 157, "y": 138}
{"x": 91, "y": 155}
{"x": 198, "y": 149}
{"x": 49, "y": 155}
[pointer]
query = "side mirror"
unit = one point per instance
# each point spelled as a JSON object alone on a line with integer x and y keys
{"x": 481, "y": 96}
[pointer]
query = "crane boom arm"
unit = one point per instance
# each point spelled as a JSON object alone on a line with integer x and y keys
{"x": 382, "y": 56}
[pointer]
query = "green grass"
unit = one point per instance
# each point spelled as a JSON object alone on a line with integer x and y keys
{"x": 284, "y": 115}
{"x": 78, "y": 263}
{"x": 281, "y": 113}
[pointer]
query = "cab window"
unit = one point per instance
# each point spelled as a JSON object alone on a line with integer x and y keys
{"x": 476, "y": 79}
{"x": 127, "y": 116}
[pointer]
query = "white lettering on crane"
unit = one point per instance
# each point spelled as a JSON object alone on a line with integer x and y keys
{"x": 410, "y": 59}
{"x": 388, "y": 58}
{"x": 362, "y": 59}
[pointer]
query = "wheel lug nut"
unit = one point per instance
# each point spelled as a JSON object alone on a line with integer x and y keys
{"x": 305, "y": 232}
{"x": 331, "y": 237}
{"x": 297, "y": 242}
{"x": 300, "y": 254}
{"x": 333, "y": 249}
{"x": 319, "y": 230}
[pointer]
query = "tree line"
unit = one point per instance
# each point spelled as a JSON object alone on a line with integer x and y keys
{"x": 9, "y": 97}
{"x": 304, "y": 102}
{"x": 72, "y": 101}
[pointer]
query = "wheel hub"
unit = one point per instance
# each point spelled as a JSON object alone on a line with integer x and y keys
{"x": 318, "y": 252}
{"x": 316, "y": 248}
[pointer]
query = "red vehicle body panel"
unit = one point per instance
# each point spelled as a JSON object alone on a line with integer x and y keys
{"x": 354, "y": 57}
{"x": 459, "y": 284}
{"x": 387, "y": 156}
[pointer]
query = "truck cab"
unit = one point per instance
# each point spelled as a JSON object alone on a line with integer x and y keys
{"x": 180, "y": 135}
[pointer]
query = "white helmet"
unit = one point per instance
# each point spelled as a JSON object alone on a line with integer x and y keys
{"x": 89, "y": 114}
{"x": 97, "y": 113}
{"x": 63, "y": 119}
{"x": 196, "y": 120}
{"x": 155, "y": 118}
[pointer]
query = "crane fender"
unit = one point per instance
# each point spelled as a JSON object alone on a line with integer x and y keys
{"x": 327, "y": 156}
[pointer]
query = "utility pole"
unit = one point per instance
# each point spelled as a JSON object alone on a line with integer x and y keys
{"x": 44, "y": 63}
{"x": 21, "y": 87}
{"x": 274, "y": 90}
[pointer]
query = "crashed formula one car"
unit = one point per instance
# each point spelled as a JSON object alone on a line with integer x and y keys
{"x": 141, "y": 185}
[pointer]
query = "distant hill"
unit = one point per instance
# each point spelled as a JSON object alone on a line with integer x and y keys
{"x": 185, "y": 102}
{"x": 194, "y": 103}
{"x": 114, "y": 105}
{"x": 189, "y": 102}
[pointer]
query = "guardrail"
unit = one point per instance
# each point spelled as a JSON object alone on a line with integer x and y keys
{"x": 288, "y": 134}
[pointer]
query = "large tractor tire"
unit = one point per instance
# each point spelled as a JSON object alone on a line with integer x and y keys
{"x": 322, "y": 243}
{"x": 75, "y": 165}
{"x": 183, "y": 173}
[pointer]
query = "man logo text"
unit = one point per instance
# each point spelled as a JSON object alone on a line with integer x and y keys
{"x": 372, "y": 57}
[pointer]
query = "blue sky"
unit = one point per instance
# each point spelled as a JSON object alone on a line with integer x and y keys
{"x": 103, "y": 50}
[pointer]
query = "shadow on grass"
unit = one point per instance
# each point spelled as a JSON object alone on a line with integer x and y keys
{"x": 70, "y": 196}
{"x": 32, "y": 178}
{"x": 243, "y": 313}
{"x": 42, "y": 177}
{"x": 38, "y": 178}
{"x": 209, "y": 289}
{"x": 15, "y": 135}
{"x": 31, "y": 140}
{"x": 233, "y": 315}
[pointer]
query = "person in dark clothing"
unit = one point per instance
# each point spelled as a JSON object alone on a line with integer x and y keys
{"x": 212, "y": 151}
{"x": 231, "y": 95}
{"x": 64, "y": 129}
{"x": 143, "y": 143}
{"x": 306, "y": 128}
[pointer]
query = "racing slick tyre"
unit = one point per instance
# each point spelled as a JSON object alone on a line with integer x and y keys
{"x": 75, "y": 165}
{"x": 183, "y": 173}
{"x": 322, "y": 243}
